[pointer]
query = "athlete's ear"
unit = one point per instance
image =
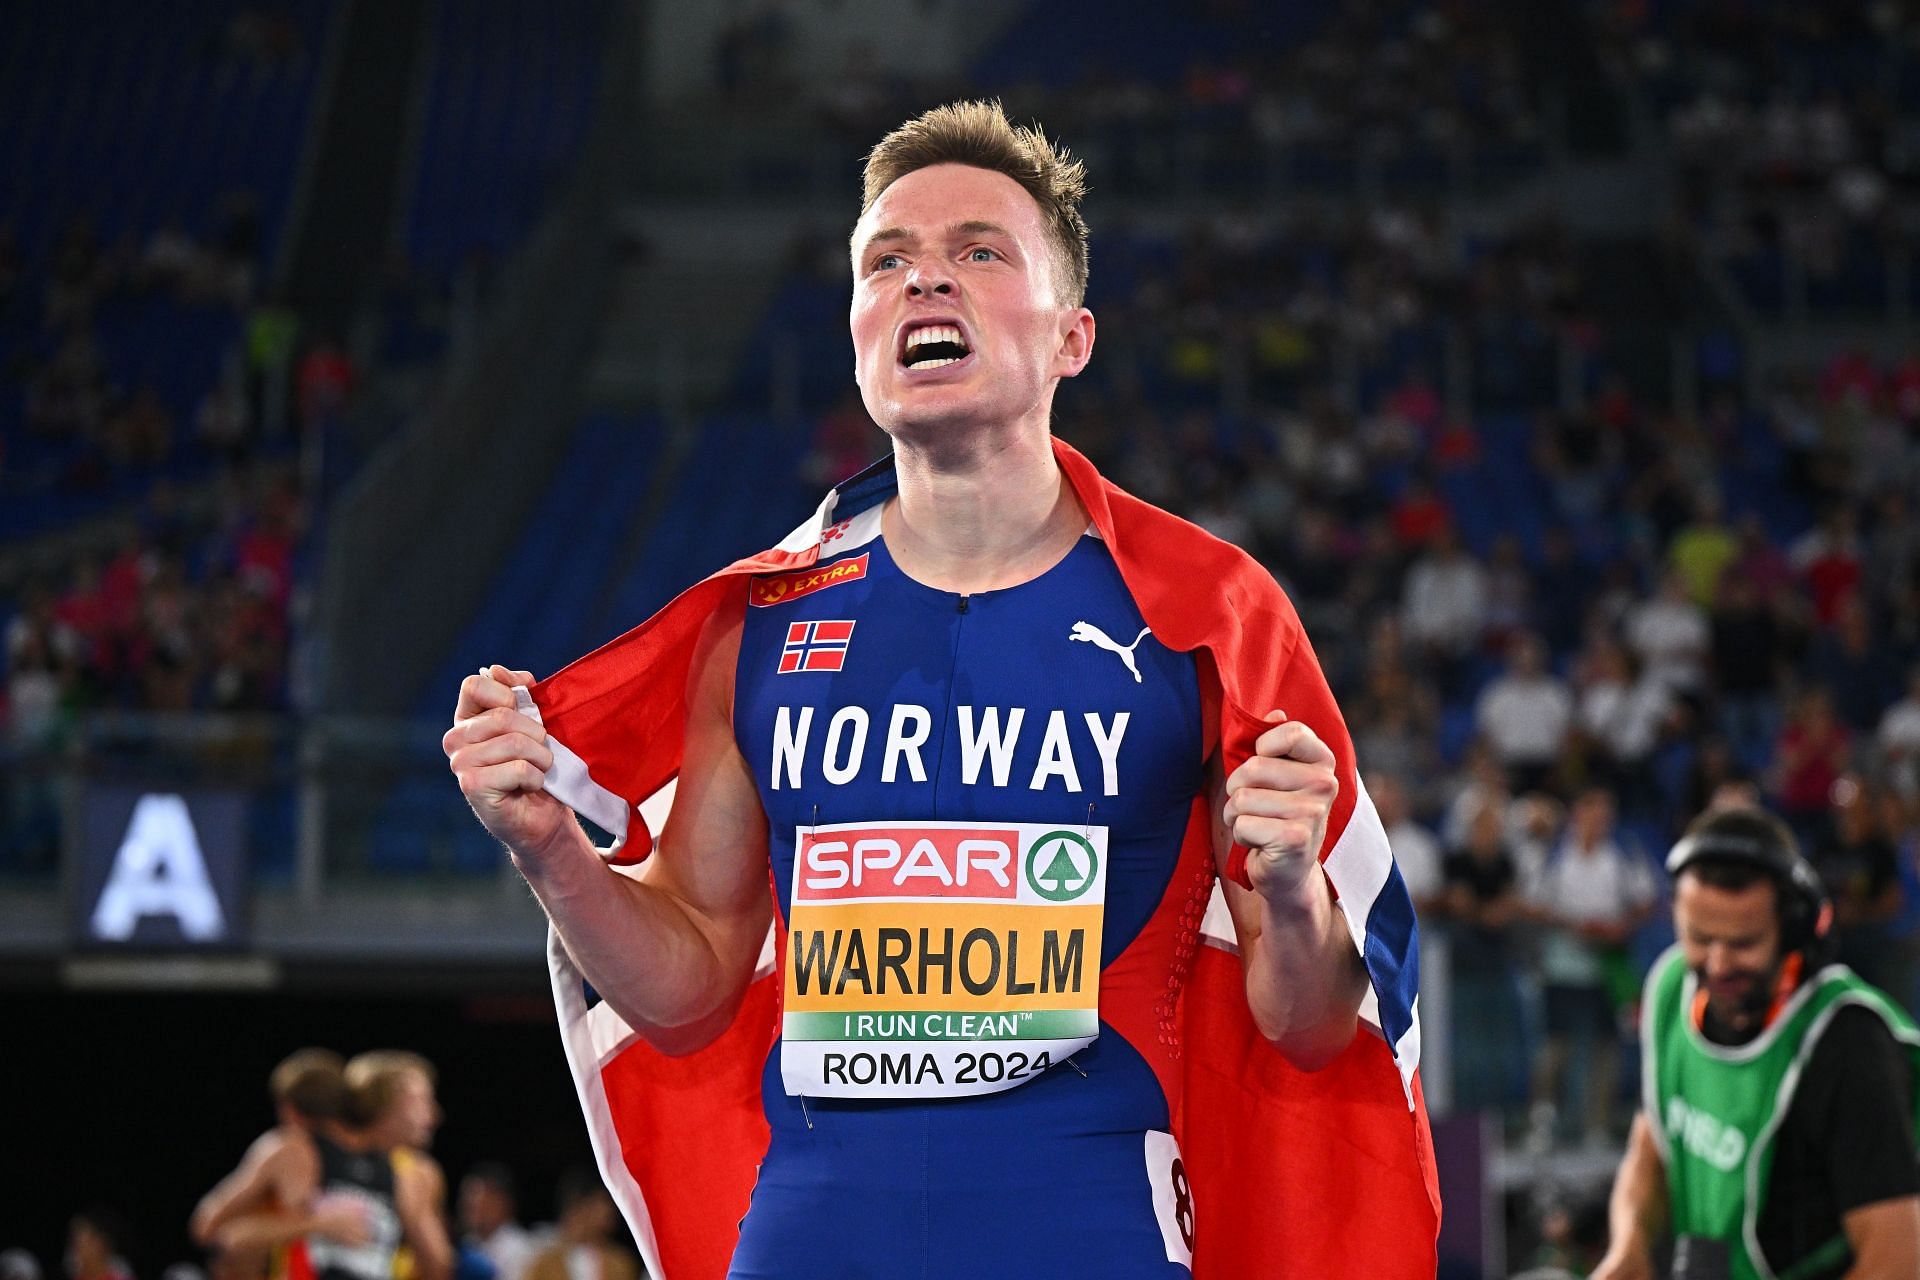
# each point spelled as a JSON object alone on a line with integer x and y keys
{"x": 1076, "y": 342}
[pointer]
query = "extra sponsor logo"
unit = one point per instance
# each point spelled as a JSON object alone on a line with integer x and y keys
{"x": 767, "y": 592}
{"x": 816, "y": 646}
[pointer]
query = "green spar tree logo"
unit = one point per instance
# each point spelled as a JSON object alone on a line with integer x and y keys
{"x": 1061, "y": 866}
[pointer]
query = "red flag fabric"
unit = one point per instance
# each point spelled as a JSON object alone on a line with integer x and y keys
{"x": 1294, "y": 1174}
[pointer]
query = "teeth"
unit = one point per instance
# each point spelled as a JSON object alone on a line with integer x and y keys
{"x": 935, "y": 364}
{"x": 934, "y": 333}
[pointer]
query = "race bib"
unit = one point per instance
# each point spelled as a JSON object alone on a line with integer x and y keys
{"x": 939, "y": 959}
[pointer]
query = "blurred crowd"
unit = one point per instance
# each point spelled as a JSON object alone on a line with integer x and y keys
{"x": 1562, "y": 616}
{"x": 180, "y": 597}
{"x": 1539, "y": 714}
{"x": 1795, "y": 132}
{"x": 381, "y": 1108}
{"x": 191, "y": 613}
{"x": 1408, "y": 84}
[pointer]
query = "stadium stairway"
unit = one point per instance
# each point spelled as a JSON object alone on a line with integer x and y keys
{"x": 532, "y": 617}
{"x": 563, "y": 591}
{"x": 508, "y": 96}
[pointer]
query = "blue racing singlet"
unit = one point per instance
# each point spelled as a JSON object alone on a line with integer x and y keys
{"x": 976, "y": 808}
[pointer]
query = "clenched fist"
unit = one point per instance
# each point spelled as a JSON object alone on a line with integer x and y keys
{"x": 1278, "y": 803}
{"x": 501, "y": 759}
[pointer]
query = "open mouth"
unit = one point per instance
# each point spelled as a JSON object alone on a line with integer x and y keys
{"x": 934, "y": 346}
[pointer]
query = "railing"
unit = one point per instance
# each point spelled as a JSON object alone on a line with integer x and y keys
{"x": 328, "y": 836}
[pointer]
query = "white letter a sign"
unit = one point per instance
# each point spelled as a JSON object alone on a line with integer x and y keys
{"x": 159, "y": 871}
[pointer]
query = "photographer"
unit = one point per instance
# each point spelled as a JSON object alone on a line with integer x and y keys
{"x": 1776, "y": 1136}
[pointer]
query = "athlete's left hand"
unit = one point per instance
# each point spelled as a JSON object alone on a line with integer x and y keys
{"x": 1278, "y": 803}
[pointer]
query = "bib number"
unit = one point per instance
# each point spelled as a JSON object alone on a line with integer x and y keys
{"x": 940, "y": 959}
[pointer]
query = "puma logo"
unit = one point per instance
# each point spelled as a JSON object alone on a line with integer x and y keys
{"x": 1100, "y": 639}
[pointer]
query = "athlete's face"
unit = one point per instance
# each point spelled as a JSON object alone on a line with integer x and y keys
{"x": 1731, "y": 939}
{"x": 966, "y": 249}
{"x": 416, "y": 1112}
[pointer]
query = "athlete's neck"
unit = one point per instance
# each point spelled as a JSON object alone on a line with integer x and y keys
{"x": 981, "y": 519}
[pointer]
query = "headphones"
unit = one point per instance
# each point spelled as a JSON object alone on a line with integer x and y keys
{"x": 1806, "y": 914}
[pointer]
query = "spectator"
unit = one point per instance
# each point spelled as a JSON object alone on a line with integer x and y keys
{"x": 1860, "y": 867}
{"x": 1525, "y": 715}
{"x": 96, "y": 1238}
{"x": 1418, "y": 515}
{"x": 1509, "y": 593}
{"x": 487, "y": 1220}
{"x": 1859, "y": 669}
{"x": 1746, "y": 666}
{"x": 584, "y": 1243}
{"x": 1480, "y": 781}
{"x": 1561, "y": 591}
{"x": 1701, "y": 552}
{"x": 1622, "y": 715}
{"x": 1761, "y": 564}
{"x": 1415, "y": 850}
{"x": 1444, "y": 607}
{"x": 1481, "y": 904}
{"x": 1811, "y": 754}
{"x": 1715, "y": 771}
{"x": 1534, "y": 824}
{"x": 1827, "y": 560}
{"x": 1591, "y": 895}
{"x": 1899, "y": 740}
{"x": 1669, "y": 635}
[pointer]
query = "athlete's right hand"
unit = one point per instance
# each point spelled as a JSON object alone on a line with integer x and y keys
{"x": 501, "y": 759}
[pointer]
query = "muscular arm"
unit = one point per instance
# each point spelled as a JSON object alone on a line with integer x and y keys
{"x": 247, "y": 1187}
{"x": 1858, "y": 1090}
{"x": 291, "y": 1172}
{"x": 1305, "y": 978}
{"x": 1885, "y": 1239}
{"x": 671, "y": 949}
{"x": 1637, "y": 1210}
{"x": 416, "y": 1195}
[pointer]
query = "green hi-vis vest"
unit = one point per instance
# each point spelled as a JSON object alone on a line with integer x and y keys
{"x": 1714, "y": 1109}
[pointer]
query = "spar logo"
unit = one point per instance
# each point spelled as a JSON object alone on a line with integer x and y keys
{"x": 883, "y": 861}
{"x": 791, "y": 586}
{"x": 1061, "y": 866}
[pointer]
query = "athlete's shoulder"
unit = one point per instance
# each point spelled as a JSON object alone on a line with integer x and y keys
{"x": 1151, "y": 543}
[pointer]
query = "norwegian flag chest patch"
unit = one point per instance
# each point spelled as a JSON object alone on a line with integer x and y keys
{"x": 816, "y": 646}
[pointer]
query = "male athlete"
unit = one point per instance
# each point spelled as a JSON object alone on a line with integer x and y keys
{"x": 308, "y": 1088}
{"x": 342, "y": 1193}
{"x": 995, "y": 729}
{"x": 1777, "y": 1137}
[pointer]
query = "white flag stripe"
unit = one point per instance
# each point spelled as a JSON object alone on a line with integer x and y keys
{"x": 577, "y": 1034}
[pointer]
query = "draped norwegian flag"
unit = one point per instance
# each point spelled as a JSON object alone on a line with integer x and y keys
{"x": 1293, "y": 1174}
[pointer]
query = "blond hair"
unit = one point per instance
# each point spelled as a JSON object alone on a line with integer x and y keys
{"x": 312, "y": 1082}
{"x": 979, "y": 134}
{"x": 374, "y": 1080}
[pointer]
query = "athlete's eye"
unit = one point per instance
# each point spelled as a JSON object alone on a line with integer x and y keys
{"x": 980, "y": 253}
{"x": 887, "y": 261}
